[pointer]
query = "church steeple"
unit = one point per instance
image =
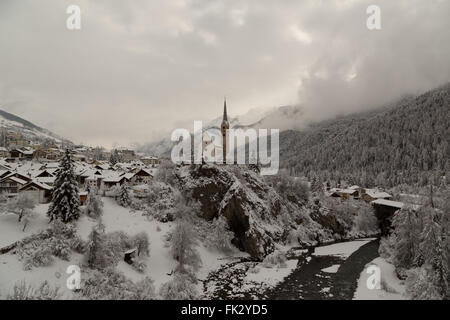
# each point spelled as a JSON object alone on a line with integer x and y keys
{"x": 225, "y": 117}
{"x": 224, "y": 128}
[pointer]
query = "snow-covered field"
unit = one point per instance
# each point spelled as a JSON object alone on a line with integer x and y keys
{"x": 390, "y": 288}
{"x": 160, "y": 263}
{"x": 11, "y": 229}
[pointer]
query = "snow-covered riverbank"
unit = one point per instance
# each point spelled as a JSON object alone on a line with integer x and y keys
{"x": 389, "y": 288}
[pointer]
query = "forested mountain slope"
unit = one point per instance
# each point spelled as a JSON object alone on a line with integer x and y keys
{"x": 405, "y": 143}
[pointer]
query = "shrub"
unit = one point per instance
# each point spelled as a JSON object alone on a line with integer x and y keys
{"x": 24, "y": 291}
{"x": 166, "y": 172}
{"x": 99, "y": 254}
{"x": 145, "y": 289}
{"x": 290, "y": 188}
{"x": 107, "y": 249}
{"x": 219, "y": 236}
{"x": 366, "y": 221}
{"x": 275, "y": 259}
{"x": 139, "y": 265}
{"x": 183, "y": 242}
{"x": 94, "y": 205}
{"x": 387, "y": 248}
{"x": 421, "y": 284}
{"x": 181, "y": 287}
{"x": 140, "y": 241}
{"x": 58, "y": 240}
{"x": 109, "y": 284}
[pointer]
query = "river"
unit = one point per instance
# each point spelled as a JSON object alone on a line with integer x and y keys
{"x": 326, "y": 272}
{"x": 309, "y": 281}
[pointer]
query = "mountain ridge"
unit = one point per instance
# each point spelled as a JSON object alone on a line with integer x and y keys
{"x": 405, "y": 142}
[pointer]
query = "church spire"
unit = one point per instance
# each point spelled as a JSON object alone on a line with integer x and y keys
{"x": 225, "y": 117}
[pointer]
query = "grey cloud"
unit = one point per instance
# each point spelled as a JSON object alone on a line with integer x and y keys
{"x": 139, "y": 68}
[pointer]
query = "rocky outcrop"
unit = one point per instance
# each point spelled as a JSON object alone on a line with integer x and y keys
{"x": 251, "y": 208}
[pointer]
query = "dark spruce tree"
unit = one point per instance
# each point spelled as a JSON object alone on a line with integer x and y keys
{"x": 65, "y": 201}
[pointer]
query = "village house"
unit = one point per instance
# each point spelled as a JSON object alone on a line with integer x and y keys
{"x": 39, "y": 192}
{"x": 40, "y": 154}
{"x": 109, "y": 183}
{"x": 4, "y": 153}
{"x": 127, "y": 155}
{"x": 370, "y": 195}
{"x": 141, "y": 176}
{"x": 22, "y": 153}
{"x": 53, "y": 154}
{"x": 10, "y": 185}
{"x": 150, "y": 161}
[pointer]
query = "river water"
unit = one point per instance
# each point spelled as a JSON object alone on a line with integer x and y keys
{"x": 310, "y": 281}
{"x": 326, "y": 272}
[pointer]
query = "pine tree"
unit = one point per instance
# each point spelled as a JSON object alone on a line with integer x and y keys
{"x": 124, "y": 198}
{"x": 406, "y": 228}
{"x": 316, "y": 185}
{"x": 98, "y": 254}
{"x": 66, "y": 200}
{"x": 113, "y": 157}
{"x": 432, "y": 249}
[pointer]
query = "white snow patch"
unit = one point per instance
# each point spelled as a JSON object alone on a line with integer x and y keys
{"x": 333, "y": 269}
{"x": 391, "y": 288}
{"x": 341, "y": 249}
{"x": 271, "y": 276}
{"x": 11, "y": 229}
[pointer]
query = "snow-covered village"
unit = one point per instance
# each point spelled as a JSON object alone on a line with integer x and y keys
{"x": 98, "y": 203}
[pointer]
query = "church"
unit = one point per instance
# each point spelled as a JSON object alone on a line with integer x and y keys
{"x": 207, "y": 137}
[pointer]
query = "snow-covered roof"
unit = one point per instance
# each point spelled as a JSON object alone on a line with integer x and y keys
{"x": 349, "y": 191}
{"x": 15, "y": 179}
{"x": 52, "y": 165}
{"x": 377, "y": 194}
{"x": 37, "y": 184}
{"x": 389, "y": 203}
{"x": 47, "y": 180}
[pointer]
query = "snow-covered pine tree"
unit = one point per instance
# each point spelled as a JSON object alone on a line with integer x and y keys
{"x": 316, "y": 185}
{"x": 433, "y": 251}
{"x": 115, "y": 157}
{"x": 124, "y": 198}
{"x": 407, "y": 232}
{"x": 65, "y": 200}
{"x": 98, "y": 255}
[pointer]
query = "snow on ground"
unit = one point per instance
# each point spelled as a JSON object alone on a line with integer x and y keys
{"x": 341, "y": 249}
{"x": 391, "y": 288}
{"x": 115, "y": 218}
{"x": 271, "y": 276}
{"x": 333, "y": 269}
{"x": 160, "y": 263}
{"x": 12, "y": 272}
{"x": 11, "y": 229}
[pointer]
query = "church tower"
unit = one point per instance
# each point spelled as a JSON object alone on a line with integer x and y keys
{"x": 224, "y": 127}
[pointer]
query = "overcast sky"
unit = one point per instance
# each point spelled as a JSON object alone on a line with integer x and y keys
{"x": 139, "y": 68}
